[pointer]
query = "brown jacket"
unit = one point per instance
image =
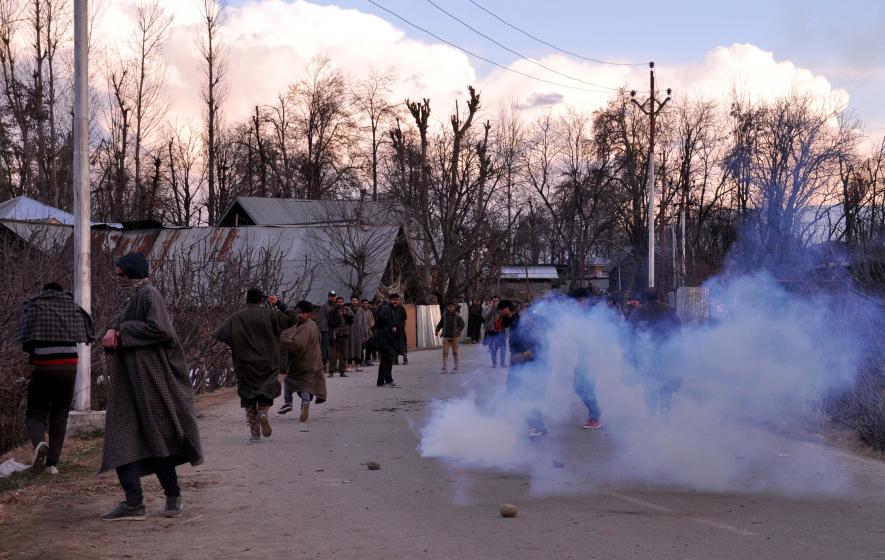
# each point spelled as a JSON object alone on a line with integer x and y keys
{"x": 304, "y": 360}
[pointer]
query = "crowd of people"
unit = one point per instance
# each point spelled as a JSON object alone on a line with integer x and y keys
{"x": 151, "y": 424}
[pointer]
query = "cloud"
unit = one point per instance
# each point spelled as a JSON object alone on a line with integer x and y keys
{"x": 271, "y": 43}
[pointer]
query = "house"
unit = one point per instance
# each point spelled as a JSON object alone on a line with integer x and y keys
{"x": 26, "y": 209}
{"x": 526, "y": 282}
{"x": 258, "y": 211}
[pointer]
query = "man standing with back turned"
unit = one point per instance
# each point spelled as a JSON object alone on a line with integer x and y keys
{"x": 253, "y": 335}
{"x": 52, "y": 325}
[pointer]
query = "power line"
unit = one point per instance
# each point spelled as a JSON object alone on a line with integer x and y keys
{"x": 482, "y": 58}
{"x": 508, "y": 49}
{"x": 551, "y": 45}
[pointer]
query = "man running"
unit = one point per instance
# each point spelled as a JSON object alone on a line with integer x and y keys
{"x": 304, "y": 362}
{"x": 253, "y": 335}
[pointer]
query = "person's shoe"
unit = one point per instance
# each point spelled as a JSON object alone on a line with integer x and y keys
{"x": 369, "y": 364}
{"x": 494, "y": 366}
{"x": 52, "y": 470}
{"x": 342, "y": 375}
{"x": 38, "y": 464}
{"x": 305, "y": 411}
{"x": 266, "y": 428}
{"x": 331, "y": 375}
{"x": 405, "y": 361}
{"x": 125, "y": 512}
{"x": 536, "y": 433}
{"x": 173, "y": 507}
{"x": 444, "y": 371}
{"x": 254, "y": 439}
{"x": 285, "y": 409}
{"x": 392, "y": 385}
{"x": 591, "y": 425}
{"x": 396, "y": 362}
{"x": 455, "y": 369}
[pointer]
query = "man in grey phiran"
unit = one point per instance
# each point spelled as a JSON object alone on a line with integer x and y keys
{"x": 151, "y": 424}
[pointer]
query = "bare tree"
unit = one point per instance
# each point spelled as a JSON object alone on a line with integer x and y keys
{"x": 371, "y": 96}
{"x": 212, "y": 54}
{"x": 152, "y": 29}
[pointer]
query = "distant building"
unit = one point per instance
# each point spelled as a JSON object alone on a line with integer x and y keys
{"x": 526, "y": 282}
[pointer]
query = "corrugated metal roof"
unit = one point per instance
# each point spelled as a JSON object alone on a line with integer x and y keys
{"x": 294, "y": 211}
{"x": 24, "y": 208}
{"x": 303, "y": 260}
{"x": 531, "y": 272}
{"x": 297, "y": 247}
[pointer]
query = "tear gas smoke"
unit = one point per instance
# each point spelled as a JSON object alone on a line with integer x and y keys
{"x": 745, "y": 390}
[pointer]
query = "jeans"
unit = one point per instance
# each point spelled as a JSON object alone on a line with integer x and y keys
{"x": 526, "y": 382}
{"x": 497, "y": 347}
{"x": 288, "y": 395}
{"x": 130, "y": 478}
{"x": 49, "y": 400}
{"x": 585, "y": 389}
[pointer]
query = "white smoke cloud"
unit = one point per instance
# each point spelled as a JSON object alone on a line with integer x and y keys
{"x": 748, "y": 388}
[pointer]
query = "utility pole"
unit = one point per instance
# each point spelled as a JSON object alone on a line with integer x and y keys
{"x": 653, "y": 108}
{"x": 82, "y": 214}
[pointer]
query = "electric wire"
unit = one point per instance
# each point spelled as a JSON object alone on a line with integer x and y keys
{"x": 508, "y": 49}
{"x": 551, "y": 45}
{"x": 482, "y": 58}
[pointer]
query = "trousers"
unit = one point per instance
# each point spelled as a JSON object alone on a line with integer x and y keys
{"x": 50, "y": 393}
{"x": 130, "y": 478}
{"x": 450, "y": 344}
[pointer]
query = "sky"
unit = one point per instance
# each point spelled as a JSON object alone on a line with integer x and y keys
{"x": 834, "y": 51}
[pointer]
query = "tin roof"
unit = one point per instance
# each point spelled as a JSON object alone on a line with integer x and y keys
{"x": 530, "y": 272}
{"x": 24, "y": 208}
{"x": 294, "y": 211}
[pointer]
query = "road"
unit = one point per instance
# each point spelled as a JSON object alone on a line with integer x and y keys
{"x": 306, "y": 493}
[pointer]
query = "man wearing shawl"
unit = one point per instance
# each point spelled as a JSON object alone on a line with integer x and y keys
{"x": 150, "y": 424}
{"x": 253, "y": 335}
{"x": 51, "y": 326}
{"x": 359, "y": 333}
{"x": 304, "y": 361}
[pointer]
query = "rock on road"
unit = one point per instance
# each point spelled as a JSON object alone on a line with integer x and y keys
{"x": 307, "y": 493}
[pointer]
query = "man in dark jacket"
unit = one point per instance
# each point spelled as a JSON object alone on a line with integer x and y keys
{"x": 524, "y": 381}
{"x": 450, "y": 327}
{"x": 655, "y": 316}
{"x": 253, "y": 335}
{"x": 387, "y": 339}
{"x": 52, "y": 325}
{"x": 403, "y": 348}
{"x": 341, "y": 324}
{"x": 659, "y": 321}
{"x": 474, "y": 320}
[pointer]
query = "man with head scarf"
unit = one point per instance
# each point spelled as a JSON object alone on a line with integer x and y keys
{"x": 150, "y": 424}
{"x": 51, "y": 326}
{"x": 253, "y": 335}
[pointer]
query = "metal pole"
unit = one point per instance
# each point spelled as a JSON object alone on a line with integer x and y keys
{"x": 651, "y": 178}
{"x": 654, "y": 107}
{"x": 82, "y": 214}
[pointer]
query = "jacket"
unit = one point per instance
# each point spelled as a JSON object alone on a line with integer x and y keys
{"x": 451, "y": 325}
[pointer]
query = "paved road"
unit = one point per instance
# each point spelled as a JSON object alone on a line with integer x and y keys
{"x": 307, "y": 493}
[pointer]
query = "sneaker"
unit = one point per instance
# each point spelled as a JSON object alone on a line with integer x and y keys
{"x": 305, "y": 411}
{"x": 455, "y": 370}
{"x": 494, "y": 366}
{"x": 536, "y": 433}
{"x": 254, "y": 439}
{"x": 125, "y": 512}
{"x": 52, "y": 470}
{"x": 173, "y": 507}
{"x": 591, "y": 425}
{"x": 342, "y": 375}
{"x": 38, "y": 464}
{"x": 285, "y": 409}
{"x": 444, "y": 371}
{"x": 266, "y": 428}
{"x": 392, "y": 385}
